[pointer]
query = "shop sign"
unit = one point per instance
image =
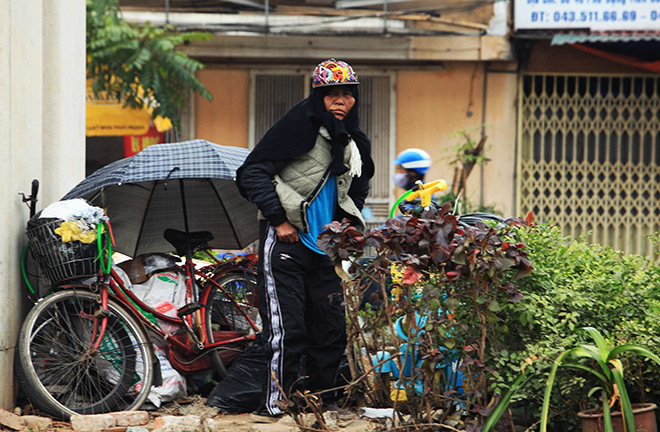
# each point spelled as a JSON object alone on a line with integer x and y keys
{"x": 595, "y": 15}
{"x": 106, "y": 116}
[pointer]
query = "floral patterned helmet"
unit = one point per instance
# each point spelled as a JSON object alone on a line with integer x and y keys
{"x": 333, "y": 72}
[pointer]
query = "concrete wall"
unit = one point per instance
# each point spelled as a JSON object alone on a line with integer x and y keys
{"x": 64, "y": 97}
{"x": 432, "y": 105}
{"x": 42, "y": 114}
{"x": 499, "y": 174}
{"x": 225, "y": 120}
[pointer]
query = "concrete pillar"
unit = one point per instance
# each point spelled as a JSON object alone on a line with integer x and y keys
{"x": 20, "y": 137}
{"x": 40, "y": 86}
{"x": 63, "y": 97}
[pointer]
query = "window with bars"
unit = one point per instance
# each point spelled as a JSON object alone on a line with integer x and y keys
{"x": 590, "y": 156}
{"x": 275, "y": 93}
{"x": 274, "y": 96}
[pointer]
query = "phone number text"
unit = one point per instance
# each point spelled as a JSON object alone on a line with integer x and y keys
{"x": 592, "y": 16}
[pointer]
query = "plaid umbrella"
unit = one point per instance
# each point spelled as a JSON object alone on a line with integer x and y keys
{"x": 145, "y": 194}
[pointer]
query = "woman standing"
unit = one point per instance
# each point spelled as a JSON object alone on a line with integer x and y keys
{"x": 311, "y": 168}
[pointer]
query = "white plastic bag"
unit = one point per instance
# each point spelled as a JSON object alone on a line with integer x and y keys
{"x": 166, "y": 292}
{"x": 164, "y": 288}
{"x": 174, "y": 384}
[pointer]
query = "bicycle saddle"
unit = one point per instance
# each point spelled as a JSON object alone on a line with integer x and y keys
{"x": 178, "y": 239}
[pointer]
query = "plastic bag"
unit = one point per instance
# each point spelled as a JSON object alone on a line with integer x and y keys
{"x": 241, "y": 390}
{"x": 63, "y": 239}
{"x": 164, "y": 289}
{"x": 169, "y": 286}
{"x": 174, "y": 384}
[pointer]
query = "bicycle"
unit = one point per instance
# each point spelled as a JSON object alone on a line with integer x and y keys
{"x": 87, "y": 348}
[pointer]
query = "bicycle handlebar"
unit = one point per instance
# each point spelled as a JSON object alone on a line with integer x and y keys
{"x": 33, "y": 197}
{"x": 426, "y": 190}
{"x": 423, "y": 191}
{"x": 31, "y": 201}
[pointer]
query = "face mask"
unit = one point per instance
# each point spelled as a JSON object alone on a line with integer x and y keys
{"x": 400, "y": 179}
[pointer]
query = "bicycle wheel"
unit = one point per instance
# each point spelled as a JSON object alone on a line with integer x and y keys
{"x": 229, "y": 310}
{"x": 61, "y": 373}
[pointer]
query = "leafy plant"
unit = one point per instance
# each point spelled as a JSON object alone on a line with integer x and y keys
{"x": 467, "y": 154}
{"x": 140, "y": 64}
{"x": 505, "y": 401}
{"x": 456, "y": 279}
{"x": 576, "y": 284}
{"x": 606, "y": 366}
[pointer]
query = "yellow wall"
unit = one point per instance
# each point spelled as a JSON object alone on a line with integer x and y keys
{"x": 499, "y": 173}
{"x": 432, "y": 105}
{"x": 224, "y": 121}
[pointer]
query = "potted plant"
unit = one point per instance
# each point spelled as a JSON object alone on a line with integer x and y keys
{"x": 605, "y": 365}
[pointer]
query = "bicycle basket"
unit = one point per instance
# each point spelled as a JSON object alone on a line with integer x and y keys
{"x": 60, "y": 261}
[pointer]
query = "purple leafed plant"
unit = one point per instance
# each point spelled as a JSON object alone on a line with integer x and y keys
{"x": 458, "y": 277}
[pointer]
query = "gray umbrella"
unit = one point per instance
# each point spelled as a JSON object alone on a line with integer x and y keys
{"x": 187, "y": 186}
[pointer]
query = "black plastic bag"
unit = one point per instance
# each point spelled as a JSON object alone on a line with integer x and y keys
{"x": 241, "y": 390}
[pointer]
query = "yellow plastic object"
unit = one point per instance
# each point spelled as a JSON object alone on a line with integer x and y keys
{"x": 397, "y": 271}
{"x": 426, "y": 191}
{"x": 70, "y": 231}
{"x": 398, "y": 395}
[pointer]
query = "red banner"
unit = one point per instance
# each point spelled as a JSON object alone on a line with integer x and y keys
{"x": 136, "y": 143}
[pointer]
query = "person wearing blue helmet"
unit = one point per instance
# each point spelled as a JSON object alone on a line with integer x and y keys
{"x": 411, "y": 166}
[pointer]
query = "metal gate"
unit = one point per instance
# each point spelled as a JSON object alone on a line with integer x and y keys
{"x": 590, "y": 156}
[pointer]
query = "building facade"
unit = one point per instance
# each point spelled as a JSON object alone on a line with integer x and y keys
{"x": 428, "y": 70}
{"x": 565, "y": 94}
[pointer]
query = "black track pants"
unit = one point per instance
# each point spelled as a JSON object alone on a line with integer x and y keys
{"x": 301, "y": 306}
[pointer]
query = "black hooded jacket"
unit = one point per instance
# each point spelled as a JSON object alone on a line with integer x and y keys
{"x": 295, "y": 134}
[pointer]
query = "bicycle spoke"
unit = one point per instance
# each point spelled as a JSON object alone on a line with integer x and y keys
{"x": 65, "y": 372}
{"x": 224, "y": 312}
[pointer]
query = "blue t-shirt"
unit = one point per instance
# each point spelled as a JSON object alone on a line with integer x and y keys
{"x": 320, "y": 212}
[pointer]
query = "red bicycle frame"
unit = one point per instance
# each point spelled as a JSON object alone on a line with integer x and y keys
{"x": 185, "y": 353}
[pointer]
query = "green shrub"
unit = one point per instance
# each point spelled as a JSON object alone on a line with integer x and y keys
{"x": 574, "y": 285}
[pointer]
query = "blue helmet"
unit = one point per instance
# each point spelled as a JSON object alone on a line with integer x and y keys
{"x": 415, "y": 159}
